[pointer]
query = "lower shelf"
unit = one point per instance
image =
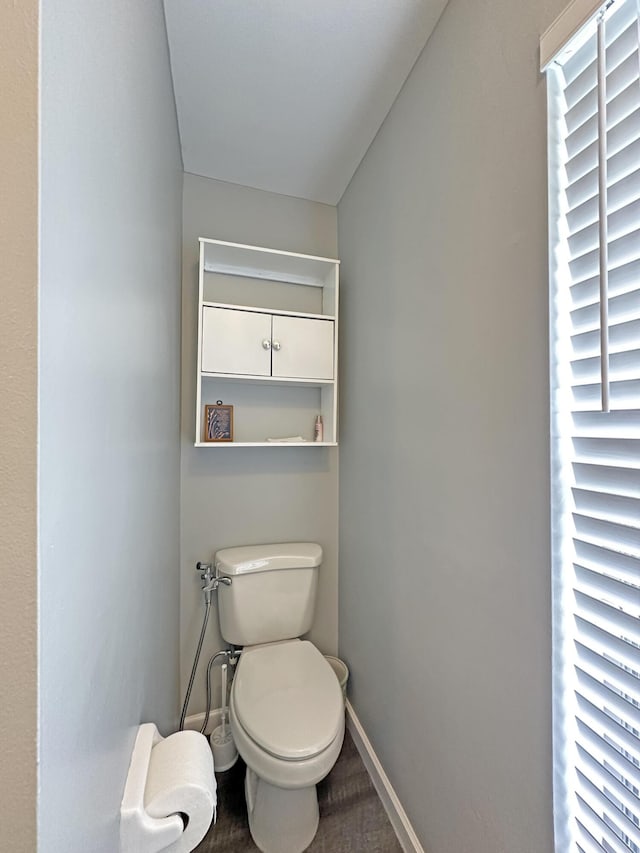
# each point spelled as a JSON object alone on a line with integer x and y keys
{"x": 264, "y": 411}
{"x": 265, "y": 444}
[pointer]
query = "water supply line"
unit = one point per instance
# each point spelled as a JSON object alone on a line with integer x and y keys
{"x": 210, "y": 583}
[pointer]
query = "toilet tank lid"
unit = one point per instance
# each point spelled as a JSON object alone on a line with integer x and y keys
{"x": 265, "y": 558}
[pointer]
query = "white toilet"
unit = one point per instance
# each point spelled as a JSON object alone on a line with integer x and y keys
{"x": 286, "y": 705}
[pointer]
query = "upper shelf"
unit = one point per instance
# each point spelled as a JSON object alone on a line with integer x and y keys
{"x": 233, "y": 306}
{"x": 270, "y": 264}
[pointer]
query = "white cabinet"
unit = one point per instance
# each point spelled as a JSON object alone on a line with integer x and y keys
{"x": 236, "y": 342}
{"x": 267, "y": 342}
{"x": 251, "y": 343}
{"x": 302, "y": 348}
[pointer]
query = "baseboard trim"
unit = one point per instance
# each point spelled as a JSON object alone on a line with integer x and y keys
{"x": 392, "y": 805}
{"x": 194, "y": 721}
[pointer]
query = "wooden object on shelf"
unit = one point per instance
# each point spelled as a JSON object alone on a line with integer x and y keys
{"x": 218, "y": 423}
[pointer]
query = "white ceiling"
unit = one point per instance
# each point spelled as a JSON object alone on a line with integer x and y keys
{"x": 287, "y": 95}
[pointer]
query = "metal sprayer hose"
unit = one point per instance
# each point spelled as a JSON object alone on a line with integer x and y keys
{"x": 194, "y": 667}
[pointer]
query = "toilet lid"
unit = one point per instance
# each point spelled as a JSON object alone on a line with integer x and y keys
{"x": 288, "y": 699}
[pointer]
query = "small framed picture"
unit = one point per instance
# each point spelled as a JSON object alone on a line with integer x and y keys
{"x": 218, "y": 422}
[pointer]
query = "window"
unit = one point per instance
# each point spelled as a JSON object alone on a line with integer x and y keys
{"x": 594, "y": 165}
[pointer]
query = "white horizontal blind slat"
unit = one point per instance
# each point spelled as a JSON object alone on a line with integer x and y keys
{"x": 623, "y": 308}
{"x": 581, "y": 112}
{"x": 608, "y": 450}
{"x": 623, "y": 395}
{"x": 620, "y": 81}
{"x": 607, "y": 505}
{"x": 623, "y": 279}
{"x": 622, "y": 365}
{"x": 622, "y": 134}
{"x": 617, "y": 425}
{"x": 601, "y": 558}
{"x": 578, "y": 84}
{"x": 599, "y": 635}
{"x": 600, "y": 708}
{"x": 596, "y": 435}
{"x": 623, "y": 334}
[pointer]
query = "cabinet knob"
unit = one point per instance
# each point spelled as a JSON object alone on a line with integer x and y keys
{"x": 276, "y": 345}
{"x": 266, "y": 344}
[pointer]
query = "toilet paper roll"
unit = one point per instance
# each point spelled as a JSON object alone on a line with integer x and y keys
{"x": 181, "y": 781}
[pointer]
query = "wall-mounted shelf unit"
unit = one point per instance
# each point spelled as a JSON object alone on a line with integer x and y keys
{"x": 267, "y": 343}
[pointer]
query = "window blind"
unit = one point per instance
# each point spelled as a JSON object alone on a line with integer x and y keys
{"x": 594, "y": 147}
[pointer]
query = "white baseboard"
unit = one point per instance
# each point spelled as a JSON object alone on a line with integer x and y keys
{"x": 194, "y": 721}
{"x": 392, "y": 805}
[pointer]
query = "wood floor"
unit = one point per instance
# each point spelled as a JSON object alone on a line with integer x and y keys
{"x": 352, "y": 819}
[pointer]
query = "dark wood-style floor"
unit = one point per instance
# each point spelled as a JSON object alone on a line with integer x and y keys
{"x": 352, "y": 819}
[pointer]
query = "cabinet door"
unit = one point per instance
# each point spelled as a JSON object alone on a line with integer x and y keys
{"x": 233, "y": 341}
{"x": 302, "y": 348}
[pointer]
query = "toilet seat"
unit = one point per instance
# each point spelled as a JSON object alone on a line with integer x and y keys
{"x": 287, "y": 699}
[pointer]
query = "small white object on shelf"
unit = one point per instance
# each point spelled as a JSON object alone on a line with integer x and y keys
{"x": 288, "y": 439}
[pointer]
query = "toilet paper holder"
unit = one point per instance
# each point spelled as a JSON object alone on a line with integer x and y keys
{"x": 140, "y": 831}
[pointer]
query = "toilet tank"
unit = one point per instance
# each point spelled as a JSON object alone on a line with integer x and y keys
{"x": 272, "y": 594}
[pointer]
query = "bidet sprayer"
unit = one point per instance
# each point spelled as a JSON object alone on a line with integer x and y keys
{"x": 206, "y": 569}
{"x": 210, "y": 581}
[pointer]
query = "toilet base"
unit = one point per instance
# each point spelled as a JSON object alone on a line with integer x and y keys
{"x": 280, "y": 820}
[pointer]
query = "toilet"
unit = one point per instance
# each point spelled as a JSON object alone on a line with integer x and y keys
{"x": 286, "y": 704}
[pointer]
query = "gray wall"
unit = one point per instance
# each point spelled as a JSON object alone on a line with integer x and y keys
{"x": 251, "y": 495}
{"x": 109, "y": 408}
{"x": 444, "y": 485}
{"x": 18, "y": 422}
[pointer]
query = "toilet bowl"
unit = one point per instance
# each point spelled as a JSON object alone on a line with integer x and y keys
{"x": 286, "y": 705}
{"x": 287, "y": 719}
